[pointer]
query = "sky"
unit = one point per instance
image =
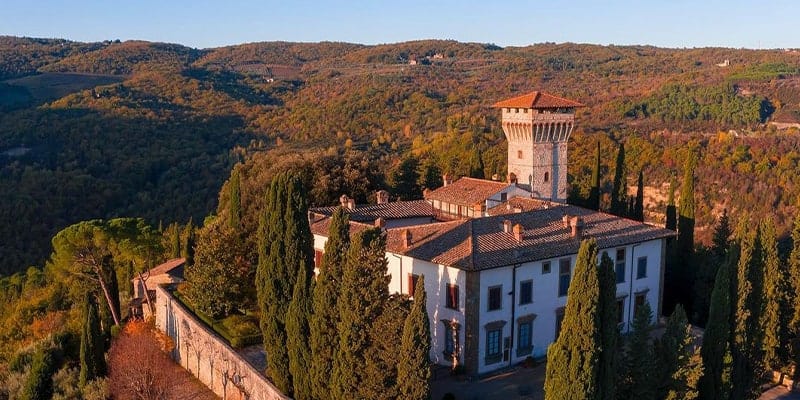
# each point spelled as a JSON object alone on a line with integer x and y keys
{"x": 205, "y": 23}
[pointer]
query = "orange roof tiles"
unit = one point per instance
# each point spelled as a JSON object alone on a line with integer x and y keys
{"x": 467, "y": 191}
{"x": 537, "y": 100}
{"x": 169, "y": 267}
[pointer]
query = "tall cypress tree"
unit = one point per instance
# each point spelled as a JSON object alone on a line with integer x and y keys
{"x": 684, "y": 244}
{"x": 638, "y": 204}
{"x": 609, "y": 330}
{"x": 774, "y": 294}
{"x": 39, "y": 383}
{"x": 187, "y": 248}
{"x": 235, "y": 201}
{"x": 672, "y": 212}
{"x": 707, "y": 270}
{"x": 793, "y": 297}
{"x": 715, "y": 383}
{"x": 668, "y": 350}
{"x": 619, "y": 191}
{"x": 747, "y": 369}
{"x": 573, "y": 359}
{"x": 325, "y": 317}
{"x": 297, "y": 333}
{"x": 364, "y": 293}
{"x": 594, "y": 193}
{"x": 174, "y": 231}
{"x": 93, "y": 362}
{"x": 274, "y": 283}
{"x": 689, "y": 370}
{"x": 638, "y": 383}
{"x": 414, "y": 369}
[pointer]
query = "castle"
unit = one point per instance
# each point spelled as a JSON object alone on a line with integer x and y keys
{"x": 498, "y": 257}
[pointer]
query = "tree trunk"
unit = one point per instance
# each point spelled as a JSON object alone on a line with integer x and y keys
{"x": 108, "y": 298}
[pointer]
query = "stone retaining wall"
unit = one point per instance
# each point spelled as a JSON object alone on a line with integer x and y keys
{"x": 207, "y": 356}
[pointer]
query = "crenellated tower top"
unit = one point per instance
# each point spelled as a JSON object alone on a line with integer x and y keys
{"x": 537, "y": 126}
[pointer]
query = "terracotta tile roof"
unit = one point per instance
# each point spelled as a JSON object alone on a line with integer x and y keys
{"x": 537, "y": 100}
{"x": 387, "y": 211}
{"x": 481, "y": 243}
{"x": 320, "y": 225}
{"x": 521, "y": 204}
{"x": 170, "y": 267}
{"x": 467, "y": 191}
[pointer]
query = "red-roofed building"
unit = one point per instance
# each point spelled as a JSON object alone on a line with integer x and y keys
{"x": 498, "y": 257}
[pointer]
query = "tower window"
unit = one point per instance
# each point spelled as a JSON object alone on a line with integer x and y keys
{"x": 519, "y": 153}
{"x": 546, "y": 177}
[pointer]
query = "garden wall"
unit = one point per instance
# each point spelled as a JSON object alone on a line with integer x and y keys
{"x": 207, "y": 356}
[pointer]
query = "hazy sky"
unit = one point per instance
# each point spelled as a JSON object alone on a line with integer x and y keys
{"x": 203, "y": 23}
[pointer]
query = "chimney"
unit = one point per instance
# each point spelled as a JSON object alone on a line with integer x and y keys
{"x": 351, "y": 204}
{"x": 382, "y": 197}
{"x": 506, "y": 226}
{"x": 518, "y": 233}
{"x": 565, "y": 219}
{"x": 446, "y": 179}
{"x": 577, "y": 226}
{"x": 425, "y": 193}
{"x": 495, "y": 177}
{"x": 512, "y": 178}
{"x": 343, "y": 200}
{"x": 478, "y": 210}
{"x": 406, "y": 238}
{"x": 380, "y": 223}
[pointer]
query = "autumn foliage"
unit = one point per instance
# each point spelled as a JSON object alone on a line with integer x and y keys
{"x": 139, "y": 365}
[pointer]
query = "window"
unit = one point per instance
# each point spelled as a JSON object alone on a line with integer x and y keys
{"x": 317, "y": 258}
{"x": 546, "y": 177}
{"x": 546, "y": 267}
{"x": 524, "y": 337}
{"x": 519, "y": 153}
{"x": 559, "y": 320}
{"x": 495, "y": 298}
{"x": 450, "y": 338}
{"x": 620, "y": 265}
{"x": 412, "y": 283}
{"x": 641, "y": 267}
{"x": 503, "y": 196}
{"x": 452, "y": 297}
{"x": 563, "y": 276}
{"x": 526, "y": 292}
{"x": 493, "y": 345}
{"x": 639, "y": 301}
{"x": 620, "y": 311}
{"x": 516, "y": 110}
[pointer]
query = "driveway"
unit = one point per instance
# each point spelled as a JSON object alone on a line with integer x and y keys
{"x": 514, "y": 383}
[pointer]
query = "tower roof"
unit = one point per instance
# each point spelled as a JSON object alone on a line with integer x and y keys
{"x": 537, "y": 100}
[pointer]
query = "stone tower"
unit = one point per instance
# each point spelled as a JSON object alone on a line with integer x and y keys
{"x": 537, "y": 127}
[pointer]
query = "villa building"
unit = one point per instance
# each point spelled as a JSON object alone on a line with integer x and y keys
{"x": 498, "y": 257}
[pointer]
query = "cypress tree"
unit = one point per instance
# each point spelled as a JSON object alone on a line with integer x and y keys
{"x": 39, "y": 383}
{"x": 672, "y": 212}
{"x": 707, "y": 270}
{"x": 773, "y": 298}
{"x": 684, "y": 244}
{"x": 689, "y": 369}
{"x": 476, "y": 164}
{"x": 747, "y": 369}
{"x": 187, "y": 249}
{"x": 384, "y": 357}
{"x": 403, "y": 179}
{"x": 234, "y": 202}
{"x": 609, "y": 330}
{"x": 323, "y": 334}
{"x": 174, "y": 240}
{"x": 668, "y": 350}
{"x": 638, "y": 383}
{"x": 793, "y": 296}
{"x": 297, "y": 333}
{"x": 715, "y": 383}
{"x": 364, "y": 292}
{"x": 273, "y": 283}
{"x": 414, "y": 369}
{"x": 573, "y": 359}
{"x": 594, "y": 193}
{"x": 619, "y": 191}
{"x": 93, "y": 362}
{"x": 638, "y": 205}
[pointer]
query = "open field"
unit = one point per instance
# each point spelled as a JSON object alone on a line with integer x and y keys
{"x": 53, "y": 85}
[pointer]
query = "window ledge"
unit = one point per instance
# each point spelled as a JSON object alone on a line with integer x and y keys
{"x": 494, "y": 359}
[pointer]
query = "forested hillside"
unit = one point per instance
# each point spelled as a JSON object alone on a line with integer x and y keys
{"x": 158, "y": 138}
